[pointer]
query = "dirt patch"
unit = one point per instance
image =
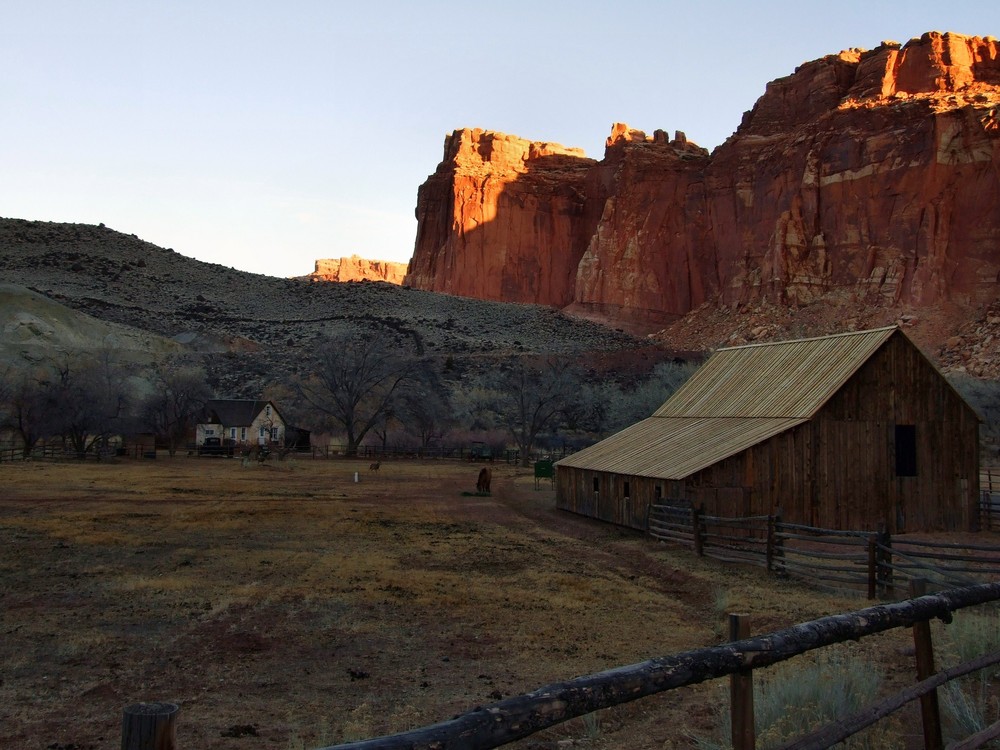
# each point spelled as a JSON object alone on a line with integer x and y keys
{"x": 288, "y": 606}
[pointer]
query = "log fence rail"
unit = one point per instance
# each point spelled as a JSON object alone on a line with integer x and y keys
{"x": 521, "y": 716}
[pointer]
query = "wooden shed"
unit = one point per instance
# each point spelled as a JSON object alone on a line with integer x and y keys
{"x": 850, "y": 431}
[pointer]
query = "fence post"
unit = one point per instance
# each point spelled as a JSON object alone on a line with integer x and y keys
{"x": 741, "y": 691}
{"x": 929, "y": 711}
{"x": 150, "y": 726}
{"x": 872, "y": 566}
{"x": 774, "y": 544}
{"x": 769, "y": 555}
{"x": 884, "y": 565}
{"x": 697, "y": 529}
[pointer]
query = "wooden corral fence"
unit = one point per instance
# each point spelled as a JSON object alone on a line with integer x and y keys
{"x": 57, "y": 453}
{"x": 507, "y": 455}
{"x": 989, "y": 505}
{"x": 877, "y": 563}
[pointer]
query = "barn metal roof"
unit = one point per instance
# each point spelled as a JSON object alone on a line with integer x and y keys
{"x": 742, "y": 396}
{"x": 783, "y": 379}
{"x": 675, "y": 447}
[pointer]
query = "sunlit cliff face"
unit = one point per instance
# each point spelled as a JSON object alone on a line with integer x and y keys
{"x": 356, "y": 268}
{"x": 863, "y": 180}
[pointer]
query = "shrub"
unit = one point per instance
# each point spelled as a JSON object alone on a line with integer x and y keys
{"x": 969, "y": 704}
{"x": 805, "y": 693}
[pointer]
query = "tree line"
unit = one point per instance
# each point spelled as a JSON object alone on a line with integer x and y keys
{"x": 358, "y": 387}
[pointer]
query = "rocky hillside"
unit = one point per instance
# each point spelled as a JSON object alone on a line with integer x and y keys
{"x": 33, "y": 327}
{"x": 251, "y": 330}
{"x": 861, "y": 189}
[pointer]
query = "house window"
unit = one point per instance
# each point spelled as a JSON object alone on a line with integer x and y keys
{"x": 262, "y": 433}
{"x": 243, "y": 433}
{"x": 626, "y": 489}
{"x": 267, "y": 410}
{"x": 274, "y": 434}
{"x": 209, "y": 431}
{"x": 232, "y": 433}
{"x": 906, "y": 450}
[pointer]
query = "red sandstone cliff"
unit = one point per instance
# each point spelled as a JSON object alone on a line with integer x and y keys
{"x": 356, "y": 268}
{"x": 499, "y": 220}
{"x": 867, "y": 178}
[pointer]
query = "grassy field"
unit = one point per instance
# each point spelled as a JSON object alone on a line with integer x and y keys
{"x": 288, "y": 606}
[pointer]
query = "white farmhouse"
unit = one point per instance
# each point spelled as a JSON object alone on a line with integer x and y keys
{"x": 240, "y": 423}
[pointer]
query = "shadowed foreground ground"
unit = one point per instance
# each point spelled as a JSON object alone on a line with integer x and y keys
{"x": 286, "y": 606}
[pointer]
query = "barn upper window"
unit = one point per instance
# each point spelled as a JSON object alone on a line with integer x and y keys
{"x": 626, "y": 489}
{"x": 658, "y": 493}
{"x": 597, "y": 485}
{"x": 906, "y": 450}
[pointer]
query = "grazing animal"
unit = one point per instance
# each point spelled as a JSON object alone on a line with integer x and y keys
{"x": 253, "y": 453}
{"x": 375, "y": 466}
{"x": 483, "y": 483}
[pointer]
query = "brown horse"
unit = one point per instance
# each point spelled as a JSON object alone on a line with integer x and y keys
{"x": 483, "y": 483}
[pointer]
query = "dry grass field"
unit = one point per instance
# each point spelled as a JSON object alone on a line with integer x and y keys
{"x": 287, "y": 606}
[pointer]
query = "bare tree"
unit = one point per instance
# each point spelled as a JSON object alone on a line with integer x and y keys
{"x": 425, "y": 411}
{"x": 527, "y": 399}
{"x": 29, "y": 411}
{"x": 90, "y": 398}
{"x": 355, "y": 384}
{"x": 171, "y": 412}
{"x": 631, "y": 405}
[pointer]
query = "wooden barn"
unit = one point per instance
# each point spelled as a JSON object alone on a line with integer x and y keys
{"x": 850, "y": 431}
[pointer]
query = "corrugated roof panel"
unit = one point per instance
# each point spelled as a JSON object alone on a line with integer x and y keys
{"x": 673, "y": 448}
{"x": 786, "y": 379}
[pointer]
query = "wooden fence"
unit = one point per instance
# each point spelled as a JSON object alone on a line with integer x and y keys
{"x": 59, "y": 452}
{"x": 989, "y": 511}
{"x": 508, "y": 455}
{"x": 518, "y": 717}
{"x": 989, "y": 505}
{"x": 877, "y": 563}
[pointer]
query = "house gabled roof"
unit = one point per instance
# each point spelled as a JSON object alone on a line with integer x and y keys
{"x": 742, "y": 396}
{"x": 235, "y": 412}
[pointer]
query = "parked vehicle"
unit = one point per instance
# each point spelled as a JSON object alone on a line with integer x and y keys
{"x": 214, "y": 446}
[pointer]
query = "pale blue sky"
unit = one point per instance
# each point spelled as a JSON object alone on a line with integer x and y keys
{"x": 265, "y": 135}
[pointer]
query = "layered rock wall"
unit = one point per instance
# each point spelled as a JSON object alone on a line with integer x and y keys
{"x": 356, "y": 268}
{"x": 501, "y": 220}
{"x": 867, "y": 177}
{"x": 889, "y": 190}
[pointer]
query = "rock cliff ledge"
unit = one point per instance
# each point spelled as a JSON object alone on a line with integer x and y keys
{"x": 356, "y": 268}
{"x": 867, "y": 178}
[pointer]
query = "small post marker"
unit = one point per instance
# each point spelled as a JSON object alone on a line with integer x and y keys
{"x": 150, "y": 726}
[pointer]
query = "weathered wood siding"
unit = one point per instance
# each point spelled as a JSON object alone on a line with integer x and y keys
{"x": 836, "y": 471}
{"x": 575, "y": 492}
